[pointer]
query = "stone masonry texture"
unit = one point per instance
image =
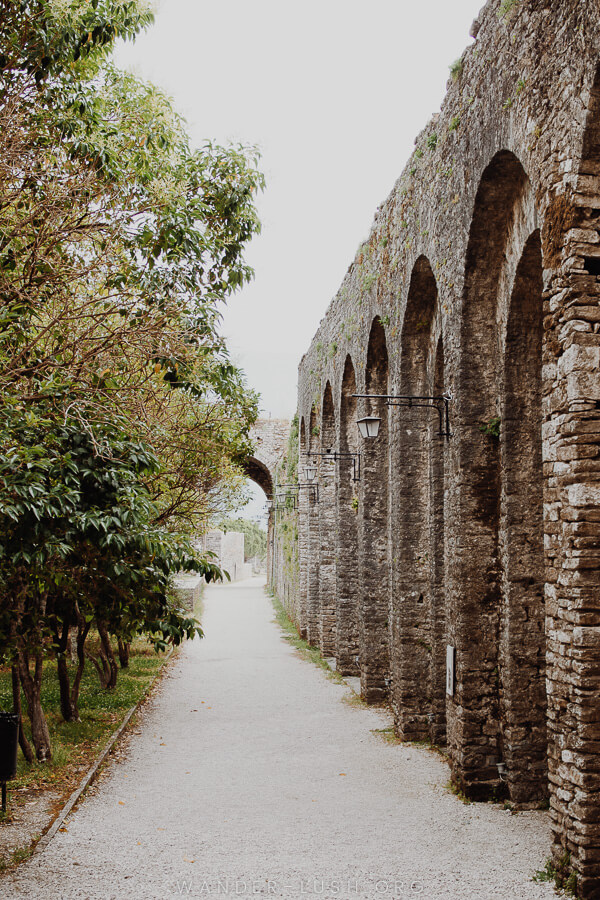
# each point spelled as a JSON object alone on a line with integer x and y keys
{"x": 270, "y": 438}
{"x": 479, "y": 282}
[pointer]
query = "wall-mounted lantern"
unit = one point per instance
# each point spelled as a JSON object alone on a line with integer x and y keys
{"x": 369, "y": 426}
{"x": 310, "y": 472}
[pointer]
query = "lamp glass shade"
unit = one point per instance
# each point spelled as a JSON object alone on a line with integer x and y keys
{"x": 369, "y": 426}
{"x": 310, "y": 472}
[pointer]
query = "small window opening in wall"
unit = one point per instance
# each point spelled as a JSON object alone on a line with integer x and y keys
{"x": 592, "y": 264}
{"x": 420, "y": 600}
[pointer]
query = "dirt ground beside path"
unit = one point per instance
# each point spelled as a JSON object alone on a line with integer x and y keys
{"x": 250, "y": 777}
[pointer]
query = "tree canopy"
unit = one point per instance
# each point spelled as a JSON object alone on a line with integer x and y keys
{"x": 123, "y": 419}
{"x": 255, "y": 536}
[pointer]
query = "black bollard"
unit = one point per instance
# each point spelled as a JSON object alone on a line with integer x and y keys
{"x": 9, "y": 744}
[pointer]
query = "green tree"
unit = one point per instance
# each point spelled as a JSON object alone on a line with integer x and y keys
{"x": 79, "y": 546}
{"x": 123, "y": 419}
{"x": 255, "y": 537}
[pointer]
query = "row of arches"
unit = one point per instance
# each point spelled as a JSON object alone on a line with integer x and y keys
{"x": 461, "y": 577}
{"x": 434, "y": 558}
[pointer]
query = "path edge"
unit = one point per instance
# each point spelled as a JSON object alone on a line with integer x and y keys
{"x": 90, "y": 775}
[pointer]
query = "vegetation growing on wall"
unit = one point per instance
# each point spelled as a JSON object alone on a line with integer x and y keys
{"x": 286, "y": 580}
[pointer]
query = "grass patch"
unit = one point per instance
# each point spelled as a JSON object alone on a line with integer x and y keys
{"x": 434, "y": 748}
{"x": 507, "y": 8}
{"x": 17, "y": 856}
{"x": 354, "y": 699}
{"x": 560, "y": 874}
{"x": 388, "y": 735}
{"x": 454, "y": 789}
{"x": 456, "y": 69}
{"x": 306, "y": 651}
{"x": 76, "y": 744}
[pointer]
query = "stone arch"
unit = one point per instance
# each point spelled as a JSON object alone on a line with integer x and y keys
{"x": 347, "y": 650}
{"x": 522, "y": 643}
{"x": 413, "y": 607}
{"x": 585, "y": 215}
{"x": 437, "y": 548}
{"x": 373, "y": 530}
{"x": 486, "y": 241}
{"x": 590, "y": 150}
{"x": 503, "y": 219}
{"x": 327, "y": 521}
{"x": 270, "y": 439}
{"x": 258, "y": 472}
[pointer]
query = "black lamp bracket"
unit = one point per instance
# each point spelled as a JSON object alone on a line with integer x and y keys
{"x": 334, "y": 455}
{"x": 440, "y": 404}
{"x": 290, "y": 492}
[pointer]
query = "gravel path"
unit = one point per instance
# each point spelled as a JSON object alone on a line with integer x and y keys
{"x": 251, "y": 777}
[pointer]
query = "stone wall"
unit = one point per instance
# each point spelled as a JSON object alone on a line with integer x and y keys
{"x": 479, "y": 281}
{"x": 270, "y": 437}
{"x": 288, "y": 503}
{"x": 229, "y": 550}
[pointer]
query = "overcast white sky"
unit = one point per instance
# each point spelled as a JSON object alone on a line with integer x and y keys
{"x": 334, "y": 93}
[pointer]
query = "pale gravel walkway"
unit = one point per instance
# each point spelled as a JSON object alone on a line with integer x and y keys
{"x": 249, "y": 769}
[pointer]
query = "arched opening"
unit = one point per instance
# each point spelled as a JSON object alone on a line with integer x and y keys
{"x": 590, "y": 153}
{"x": 347, "y": 531}
{"x": 503, "y": 220}
{"x": 412, "y": 644}
{"x": 260, "y": 475}
{"x": 437, "y": 543}
{"x": 313, "y": 623}
{"x": 522, "y": 646}
{"x": 237, "y": 536}
{"x": 373, "y": 531}
{"x": 327, "y": 523}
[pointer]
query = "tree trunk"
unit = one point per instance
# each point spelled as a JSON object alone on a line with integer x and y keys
{"x": 73, "y": 646}
{"x": 64, "y": 683}
{"x": 109, "y": 654}
{"x": 83, "y": 628}
{"x": 32, "y": 687}
{"x": 101, "y": 666}
{"x": 124, "y": 653}
{"x": 16, "y": 690}
{"x": 62, "y": 668}
{"x": 16, "y": 678}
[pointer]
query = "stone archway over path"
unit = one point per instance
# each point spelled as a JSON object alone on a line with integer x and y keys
{"x": 270, "y": 438}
